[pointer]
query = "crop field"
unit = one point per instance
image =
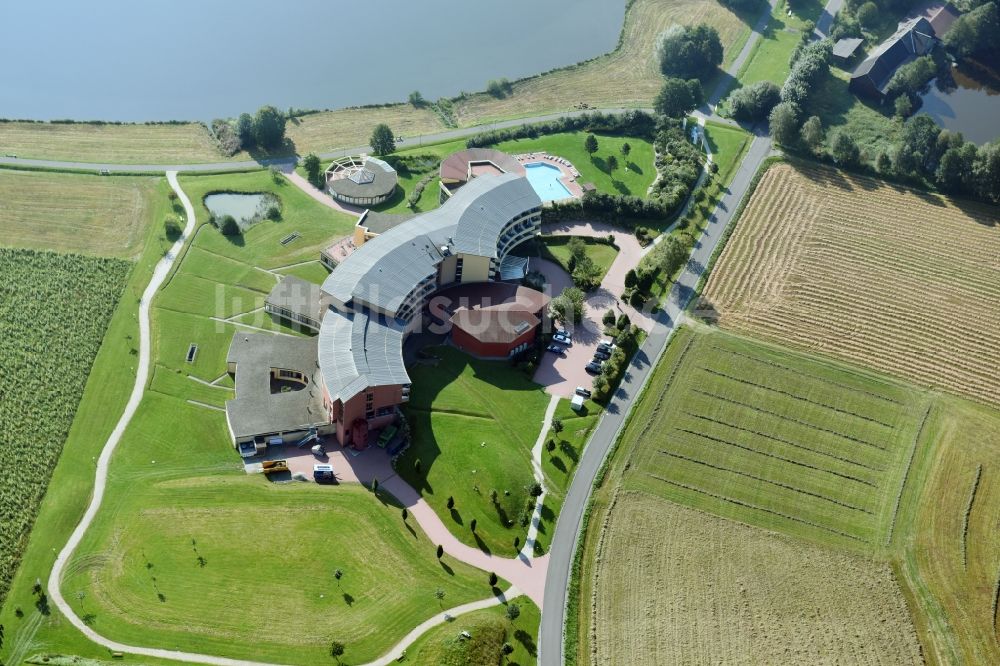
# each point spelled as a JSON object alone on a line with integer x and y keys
{"x": 87, "y": 214}
{"x": 54, "y": 310}
{"x": 741, "y": 456}
{"x": 880, "y": 275}
{"x": 678, "y": 586}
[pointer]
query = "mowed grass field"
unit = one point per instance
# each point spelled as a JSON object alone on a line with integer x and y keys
{"x": 115, "y": 144}
{"x": 86, "y": 214}
{"x": 752, "y": 506}
{"x": 950, "y": 560}
{"x": 489, "y": 628}
{"x": 880, "y": 275}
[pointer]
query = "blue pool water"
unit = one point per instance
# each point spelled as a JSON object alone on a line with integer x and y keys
{"x": 544, "y": 178}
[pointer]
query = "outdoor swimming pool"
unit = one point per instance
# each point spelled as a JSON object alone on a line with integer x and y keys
{"x": 544, "y": 178}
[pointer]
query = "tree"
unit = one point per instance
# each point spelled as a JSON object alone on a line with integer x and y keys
{"x": 513, "y": 611}
{"x": 338, "y": 574}
{"x": 784, "y": 121}
{"x": 439, "y": 595}
{"x": 755, "y": 101}
{"x": 374, "y": 485}
{"x": 567, "y": 306}
{"x": 336, "y": 650}
{"x": 440, "y": 551}
{"x": 269, "y": 127}
{"x": 609, "y": 318}
{"x": 590, "y": 145}
{"x": 975, "y": 31}
{"x": 382, "y": 141}
{"x": 517, "y": 543}
{"x": 451, "y": 502}
{"x": 245, "y": 130}
{"x": 677, "y": 97}
{"x": 883, "y": 163}
{"x": 844, "y": 150}
{"x": 417, "y": 100}
{"x": 507, "y": 648}
{"x": 690, "y": 51}
{"x": 812, "y": 133}
{"x": 313, "y": 170}
{"x": 493, "y": 579}
{"x": 626, "y": 149}
{"x": 612, "y": 163}
{"x": 472, "y": 525}
{"x": 417, "y": 466}
{"x": 229, "y": 226}
{"x": 630, "y": 278}
{"x": 903, "y": 106}
{"x": 867, "y": 15}
{"x": 557, "y": 426}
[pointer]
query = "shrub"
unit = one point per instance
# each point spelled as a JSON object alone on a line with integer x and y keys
{"x": 229, "y": 226}
{"x": 499, "y": 88}
{"x": 269, "y": 127}
{"x": 784, "y": 121}
{"x": 754, "y": 102}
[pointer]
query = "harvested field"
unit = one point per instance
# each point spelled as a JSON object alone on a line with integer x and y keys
{"x": 883, "y": 276}
{"x": 348, "y": 128}
{"x": 75, "y": 213}
{"x": 677, "y": 586}
{"x": 952, "y": 560}
{"x": 776, "y": 440}
{"x": 118, "y": 144}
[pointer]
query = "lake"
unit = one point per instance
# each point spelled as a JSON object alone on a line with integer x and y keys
{"x": 195, "y": 60}
{"x": 968, "y": 103}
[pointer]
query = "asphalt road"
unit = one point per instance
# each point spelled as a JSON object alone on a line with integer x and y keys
{"x": 564, "y": 542}
{"x": 408, "y": 142}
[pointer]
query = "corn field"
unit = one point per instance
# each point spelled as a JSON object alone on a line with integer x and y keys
{"x": 54, "y": 310}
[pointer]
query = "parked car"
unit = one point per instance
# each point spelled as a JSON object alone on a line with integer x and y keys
{"x": 594, "y": 367}
{"x": 582, "y": 391}
{"x": 604, "y": 347}
{"x": 556, "y": 349}
{"x": 562, "y": 339}
{"x": 607, "y": 342}
{"x": 600, "y": 355}
{"x": 563, "y": 332}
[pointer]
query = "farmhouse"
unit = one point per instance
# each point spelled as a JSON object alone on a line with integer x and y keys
{"x": 912, "y": 39}
{"x": 378, "y": 295}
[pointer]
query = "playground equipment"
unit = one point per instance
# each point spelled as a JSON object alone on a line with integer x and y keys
{"x": 313, "y": 435}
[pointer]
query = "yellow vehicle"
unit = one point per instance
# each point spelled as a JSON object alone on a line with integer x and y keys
{"x": 273, "y": 466}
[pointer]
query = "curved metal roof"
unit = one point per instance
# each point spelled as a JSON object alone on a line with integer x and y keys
{"x": 358, "y": 351}
{"x": 383, "y": 271}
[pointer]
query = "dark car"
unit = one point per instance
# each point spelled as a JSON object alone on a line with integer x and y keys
{"x": 556, "y": 349}
{"x": 594, "y": 368}
{"x": 601, "y": 355}
{"x": 583, "y": 392}
{"x": 605, "y": 347}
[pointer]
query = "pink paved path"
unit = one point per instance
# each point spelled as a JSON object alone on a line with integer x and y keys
{"x": 526, "y": 574}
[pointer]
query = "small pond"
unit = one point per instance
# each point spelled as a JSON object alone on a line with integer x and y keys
{"x": 243, "y": 207}
{"x": 967, "y": 101}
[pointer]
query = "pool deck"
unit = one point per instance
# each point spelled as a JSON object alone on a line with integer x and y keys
{"x": 569, "y": 174}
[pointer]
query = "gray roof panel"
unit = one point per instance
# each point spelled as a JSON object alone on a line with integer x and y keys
{"x": 358, "y": 351}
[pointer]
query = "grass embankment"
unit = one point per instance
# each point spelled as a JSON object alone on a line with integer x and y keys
{"x": 871, "y": 126}
{"x": 473, "y": 425}
{"x": 556, "y": 248}
{"x": 182, "y": 520}
{"x": 814, "y": 451}
{"x": 907, "y": 282}
{"x": 489, "y": 628}
{"x": 626, "y": 77}
{"x": 634, "y": 174}
{"x": 87, "y": 214}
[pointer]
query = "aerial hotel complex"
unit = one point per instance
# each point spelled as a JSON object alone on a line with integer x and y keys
{"x": 350, "y": 379}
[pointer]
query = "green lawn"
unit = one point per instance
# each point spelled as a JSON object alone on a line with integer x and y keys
{"x": 839, "y": 109}
{"x": 634, "y": 180}
{"x": 313, "y": 271}
{"x": 556, "y": 248}
{"x": 728, "y": 145}
{"x": 260, "y": 246}
{"x": 775, "y": 439}
{"x": 474, "y": 423}
{"x": 489, "y": 628}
